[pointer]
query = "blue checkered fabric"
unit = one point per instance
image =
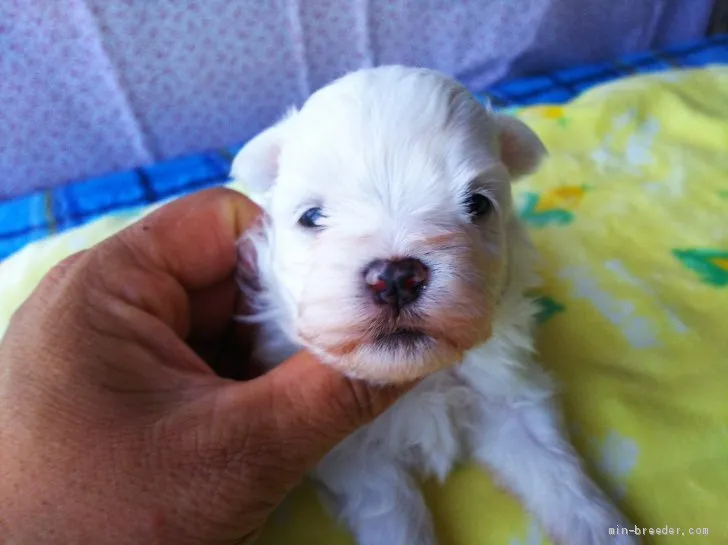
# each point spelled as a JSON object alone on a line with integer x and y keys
{"x": 31, "y": 217}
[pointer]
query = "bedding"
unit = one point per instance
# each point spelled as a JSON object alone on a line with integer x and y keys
{"x": 46, "y": 212}
{"x": 92, "y": 85}
{"x": 630, "y": 216}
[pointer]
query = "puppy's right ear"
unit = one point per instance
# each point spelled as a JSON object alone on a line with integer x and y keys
{"x": 256, "y": 164}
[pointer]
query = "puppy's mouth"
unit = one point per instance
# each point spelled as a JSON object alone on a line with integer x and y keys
{"x": 403, "y": 338}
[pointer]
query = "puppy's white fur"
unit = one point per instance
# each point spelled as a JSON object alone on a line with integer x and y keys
{"x": 391, "y": 155}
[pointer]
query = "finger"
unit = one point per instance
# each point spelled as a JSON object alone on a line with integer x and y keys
{"x": 305, "y": 407}
{"x": 50, "y": 292}
{"x": 226, "y": 359}
{"x": 48, "y": 289}
{"x": 187, "y": 246}
{"x": 193, "y": 238}
{"x": 211, "y": 309}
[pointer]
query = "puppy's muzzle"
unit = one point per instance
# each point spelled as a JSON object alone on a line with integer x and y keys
{"x": 396, "y": 283}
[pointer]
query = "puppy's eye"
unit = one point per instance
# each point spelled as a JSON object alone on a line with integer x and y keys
{"x": 478, "y": 205}
{"x": 311, "y": 218}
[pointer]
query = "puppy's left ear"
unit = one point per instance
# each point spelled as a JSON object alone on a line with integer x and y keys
{"x": 520, "y": 149}
{"x": 256, "y": 164}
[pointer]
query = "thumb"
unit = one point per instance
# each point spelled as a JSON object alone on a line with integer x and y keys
{"x": 307, "y": 407}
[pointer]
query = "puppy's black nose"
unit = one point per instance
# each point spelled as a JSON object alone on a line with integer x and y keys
{"x": 396, "y": 283}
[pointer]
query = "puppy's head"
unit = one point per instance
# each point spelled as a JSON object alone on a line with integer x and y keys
{"x": 390, "y": 204}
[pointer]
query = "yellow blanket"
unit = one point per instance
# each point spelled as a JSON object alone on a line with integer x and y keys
{"x": 630, "y": 214}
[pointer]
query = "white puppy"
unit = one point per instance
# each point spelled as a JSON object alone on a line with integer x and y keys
{"x": 392, "y": 252}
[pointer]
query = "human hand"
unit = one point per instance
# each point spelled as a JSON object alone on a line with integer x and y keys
{"x": 114, "y": 428}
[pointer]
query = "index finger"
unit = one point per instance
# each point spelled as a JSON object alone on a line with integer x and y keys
{"x": 193, "y": 238}
{"x": 179, "y": 262}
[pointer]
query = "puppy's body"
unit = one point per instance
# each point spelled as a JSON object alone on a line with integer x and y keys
{"x": 395, "y": 165}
